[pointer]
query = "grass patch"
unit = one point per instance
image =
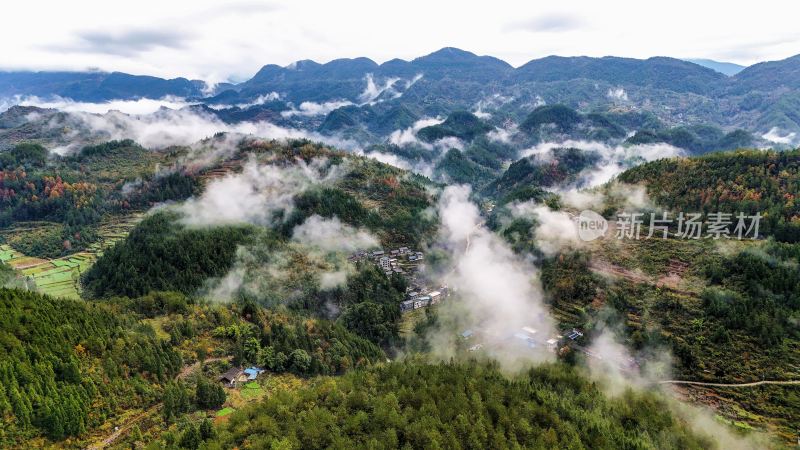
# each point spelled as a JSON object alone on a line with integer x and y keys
{"x": 409, "y": 319}
{"x": 251, "y": 391}
{"x": 226, "y": 411}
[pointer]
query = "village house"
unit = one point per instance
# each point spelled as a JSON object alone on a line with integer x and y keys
{"x": 574, "y": 334}
{"x": 421, "y": 302}
{"x": 233, "y": 377}
{"x": 253, "y": 373}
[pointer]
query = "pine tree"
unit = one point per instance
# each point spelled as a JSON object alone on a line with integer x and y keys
{"x": 190, "y": 438}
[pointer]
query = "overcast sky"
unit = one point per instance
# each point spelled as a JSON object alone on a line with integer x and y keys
{"x": 231, "y": 40}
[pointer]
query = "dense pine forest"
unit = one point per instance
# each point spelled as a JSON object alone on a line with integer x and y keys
{"x": 68, "y": 365}
{"x": 412, "y": 405}
{"x": 160, "y": 254}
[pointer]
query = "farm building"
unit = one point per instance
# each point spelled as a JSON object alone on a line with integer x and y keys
{"x": 574, "y": 334}
{"x": 421, "y": 302}
{"x": 233, "y": 376}
{"x": 253, "y": 373}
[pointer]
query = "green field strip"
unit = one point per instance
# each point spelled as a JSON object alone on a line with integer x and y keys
{"x": 59, "y": 287}
{"x": 54, "y": 278}
{"x": 33, "y": 271}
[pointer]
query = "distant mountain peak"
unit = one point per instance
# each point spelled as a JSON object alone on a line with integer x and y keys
{"x": 726, "y": 68}
{"x": 452, "y": 54}
{"x": 303, "y": 64}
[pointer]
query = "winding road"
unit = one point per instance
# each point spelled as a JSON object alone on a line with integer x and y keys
{"x": 750, "y": 384}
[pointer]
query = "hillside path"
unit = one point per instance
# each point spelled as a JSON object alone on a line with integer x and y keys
{"x": 750, "y": 384}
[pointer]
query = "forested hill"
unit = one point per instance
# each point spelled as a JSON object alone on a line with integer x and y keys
{"x": 411, "y": 405}
{"x": 747, "y": 181}
{"x": 67, "y": 365}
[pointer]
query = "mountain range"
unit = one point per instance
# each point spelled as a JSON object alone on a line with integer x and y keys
{"x": 761, "y": 98}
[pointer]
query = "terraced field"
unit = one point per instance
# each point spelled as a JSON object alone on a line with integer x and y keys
{"x": 61, "y": 276}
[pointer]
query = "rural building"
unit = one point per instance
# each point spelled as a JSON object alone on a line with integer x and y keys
{"x": 421, "y": 302}
{"x": 574, "y": 334}
{"x": 253, "y": 373}
{"x": 233, "y": 376}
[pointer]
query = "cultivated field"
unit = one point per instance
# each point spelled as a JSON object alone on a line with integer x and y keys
{"x": 60, "y": 277}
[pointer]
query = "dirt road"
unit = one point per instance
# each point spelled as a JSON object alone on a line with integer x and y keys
{"x": 752, "y": 383}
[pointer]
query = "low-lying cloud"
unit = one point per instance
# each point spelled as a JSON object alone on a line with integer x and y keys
{"x": 614, "y": 159}
{"x": 310, "y": 109}
{"x": 497, "y": 292}
{"x": 257, "y": 194}
{"x": 776, "y": 136}
{"x": 140, "y": 106}
{"x": 408, "y": 136}
{"x": 331, "y": 235}
{"x": 167, "y": 127}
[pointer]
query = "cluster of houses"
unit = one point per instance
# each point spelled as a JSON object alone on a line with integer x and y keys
{"x": 236, "y": 375}
{"x": 526, "y": 337}
{"x": 391, "y": 261}
{"x": 407, "y": 262}
{"x": 422, "y": 298}
{"x": 529, "y": 338}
